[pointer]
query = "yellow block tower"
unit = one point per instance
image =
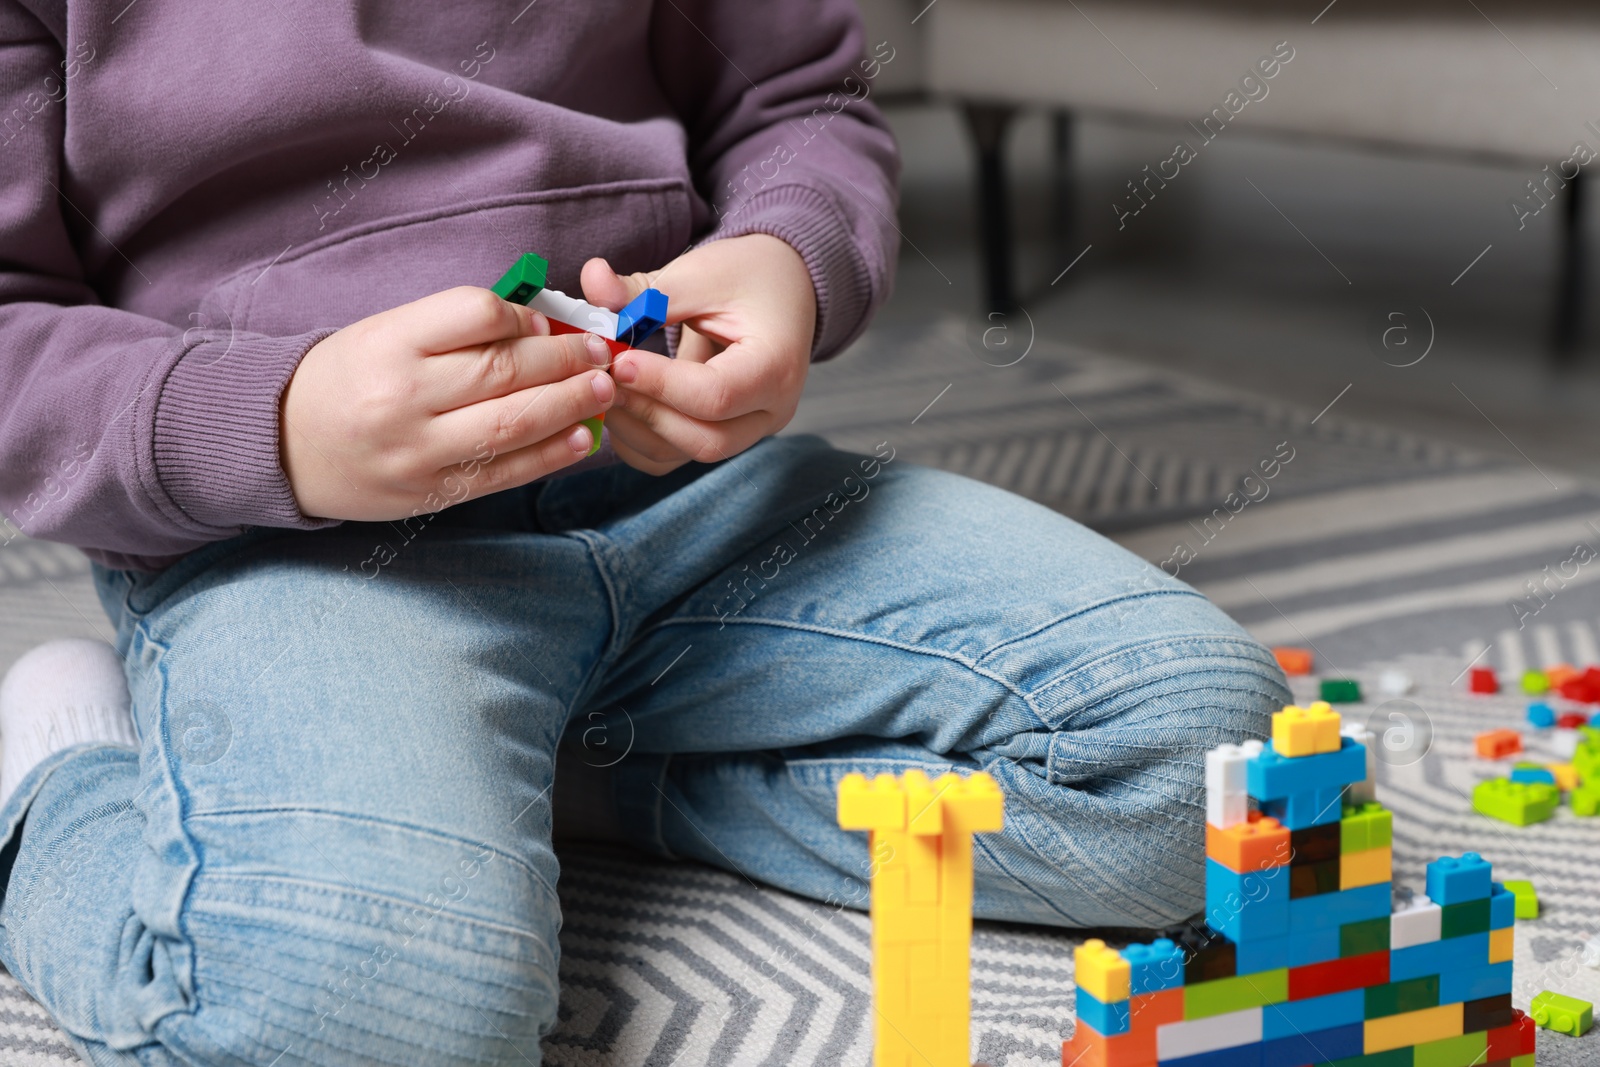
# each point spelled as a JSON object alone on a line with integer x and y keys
{"x": 921, "y": 849}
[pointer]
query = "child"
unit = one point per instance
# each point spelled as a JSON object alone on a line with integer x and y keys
{"x": 362, "y": 585}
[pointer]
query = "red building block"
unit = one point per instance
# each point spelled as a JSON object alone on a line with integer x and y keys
{"x": 1508, "y": 1042}
{"x": 1483, "y": 680}
{"x": 1572, "y": 720}
{"x": 1293, "y": 660}
{"x": 1338, "y": 976}
{"x": 1584, "y": 687}
{"x": 1498, "y": 744}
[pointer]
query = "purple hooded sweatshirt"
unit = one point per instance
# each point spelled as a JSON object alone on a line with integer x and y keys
{"x": 193, "y": 194}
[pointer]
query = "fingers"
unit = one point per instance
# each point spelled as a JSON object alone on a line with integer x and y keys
{"x": 736, "y": 383}
{"x": 456, "y": 318}
{"x": 518, "y": 420}
{"x": 607, "y": 288}
{"x": 467, "y": 376}
{"x": 511, "y": 469}
{"x": 701, "y": 441}
{"x": 648, "y": 461}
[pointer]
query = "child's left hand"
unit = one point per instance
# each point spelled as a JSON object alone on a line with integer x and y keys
{"x": 748, "y": 310}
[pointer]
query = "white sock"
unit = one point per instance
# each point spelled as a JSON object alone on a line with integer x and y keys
{"x": 59, "y": 694}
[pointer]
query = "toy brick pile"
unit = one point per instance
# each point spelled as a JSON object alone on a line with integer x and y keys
{"x": 1307, "y": 955}
{"x": 1533, "y": 790}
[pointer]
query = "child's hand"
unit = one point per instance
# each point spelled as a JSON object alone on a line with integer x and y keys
{"x": 450, "y": 397}
{"x": 748, "y": 310}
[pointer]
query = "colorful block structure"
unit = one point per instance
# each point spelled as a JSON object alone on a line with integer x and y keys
{"x": 1307, "y": 954}
{"x": 921, "y": 848}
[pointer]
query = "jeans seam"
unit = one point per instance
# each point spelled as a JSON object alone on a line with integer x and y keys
{"x": 1216, "y": 645}
{"x": 1076, "y": 612}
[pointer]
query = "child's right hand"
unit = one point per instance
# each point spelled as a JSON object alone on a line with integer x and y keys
{"x": 453, "y": 396}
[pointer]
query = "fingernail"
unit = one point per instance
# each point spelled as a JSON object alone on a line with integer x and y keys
{"x": 595, "y": 347}
{"x": 626, "y": 371}
{"x": 604, "y": 388}
{"x": 579, "y": 439}
{"x": 538, "y": 325}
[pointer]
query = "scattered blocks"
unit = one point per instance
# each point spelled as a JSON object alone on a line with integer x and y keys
{"x": 1293, "y": 660}
{"x": 1395, "y": 683}
{"x": 1340, "y": 690}
{"x": 1584, "y": 687}
{"x": 1571, "y": 720}
{"x": 1535, "y": 683}
{"x": 1542, "y": 715}
{"x": 1518, "y": 803}
{"x": 1527, "y": 906}
{"x": 1590, "y": 956}
{"x": 1303, "y": 732}
{"x": 1559, "y": 673}
{"x": 1585, "y": 800}
{"x": 1498, "y": 744}
{"x": 1563, "y": 1014}
{"x": 1483, "y": 680}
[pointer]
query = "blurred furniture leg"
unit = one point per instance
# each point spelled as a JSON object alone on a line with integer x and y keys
{"x": 1065, "y": 187}
{"x": 988, "y": 124}
{"x": 1568, "y": 331}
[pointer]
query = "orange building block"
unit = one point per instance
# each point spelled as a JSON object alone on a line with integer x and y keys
{"x": 1249, "y": 846}
{"x": 1293, "y": 660}
{"x": 1561, "y": 672}
{"x": 1137, "y": 1047}
{"x": 1498, "y": 744}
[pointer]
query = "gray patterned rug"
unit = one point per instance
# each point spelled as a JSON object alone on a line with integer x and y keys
{"x": 1379, "y": 549}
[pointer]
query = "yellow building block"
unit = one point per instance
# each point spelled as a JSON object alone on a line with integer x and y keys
{"x": 1300, "y": 731}
{"x": 1502, "y": 944}
{"x": 878, "y": 805}
{"x": 1370, "y": 867}
{"x": 1413, "y": 1028}
{"x": 924, "y": 805}
{"x": 974, "y": 802}
{"x": 1102, "y": 972}
{"x": 1566, "y": 776}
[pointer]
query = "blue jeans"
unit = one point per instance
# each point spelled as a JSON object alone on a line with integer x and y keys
{"x": 334, "y": 844}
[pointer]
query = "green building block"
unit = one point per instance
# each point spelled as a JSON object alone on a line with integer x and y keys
{"x": 1522, "y": 1061}
{"x": 1467, "y": 917}
{"x": 1527, "y": 899}
{"x": 1561, "y": 1013}
{"x": 1396, "y": 998}
{"x": 1359, "y": 939}
{"x": 1399, "y": 1057}
{"x": 1535, "y": 683}
{"x": 1518, "y": 803}
{"x": 1341, "y": 690}
{"x": 1585, "y": 799}
{"x": 1366, "y": 827}
{"x": 523, "y": 281}
{"x": 595, "y": 425}
{"x": 1463, "y": 1051}
{"x": 1222, "y": 995}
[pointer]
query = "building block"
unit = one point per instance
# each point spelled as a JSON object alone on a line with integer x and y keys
{"x": 1565, "y": 744}
{"x": 1359, "y": 869}
{"x": 1195, "y": 1036}
{"x": 1102, "y": 972}
{"x": 1452, "y": 879}
{"x": 1541, "y": 715}
{"x": 1225, "y": 995}
{"x": 1338, "y": 976}
{"x": 1242, "y": 1056}
{"x": 1366, "y": 790}
{"x": 1502, "y": 907}
{"x": 1535, "y": 683}
{"x": 1498, "y": 744}
{"x": 1487, "y": 1013}
{"x": 643, "y": 316}
{"x": 1247, "y": 906}
{"x": 1413, "y": 1028}
{"x": 1396, "y": 998}
{"x": 876, "y": 805}
{"x": 1531, "y": 773}
{"x": 1313, "y": 945}
{"x": 1590, "y": 954}
{"x": 1368, "y": 826}
{"x": 1415, "y": 922}
{"x": 1571, "y": 720}
{"x": 1273, "y": 775}
{"x": 1108, "y": 1019}
{"x": 1395, "y": 683}
{"x": 1300, "y": 731}
{"x": 1583, "y": 687}
{"x": 1527, "y": 906}
{"x": 1154, "y": 967}
{"x": 1362, "y": 938}
{"x": 1483, "y": 680}
{"x": 1518, "y": 1039}
{"x": 1518, "y": 803}
{"x": 1317, "y": 1046}
{"x": 1302, "y": 810}
{"x": 1340, "y": 690}
{"x": 1464, "y": 1050}
{"x": 1137, "y": 1047}
{"x": 1561, "y": 1013}
{"x": 1336, "y": 909}
{"x": 1559, "y": 673}
{"x": 1249, "y": 846}
{"x": 1466, "y": 917}
{"x": 1293, "y": 661}
{"x": 1227, "y": 783}
{"x": 1206, "y": 953}
{"x": 523, "y": 281}
{"x": 1565, "y": 774}
{"x": 1316, "y": 844}
{"x": 1475, "y": 983}
{"x": 1438, "y": 957}
{"x": 1585, "y": 800}
{"x": 1263, "y": 954}
{"x": 1502, "y": 945}
{"x": 1309, "y": 879}
{"x": 1317, "y": 1013}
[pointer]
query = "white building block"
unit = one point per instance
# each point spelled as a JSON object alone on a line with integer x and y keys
{"x": 1395, "y": 683}
{"x": 1564, "y": 744}
{"x": 574, "y": 312}
{"x": 1227, "y": 787}
{"x": 1591, "y": 952}
{"x": 1194, "y": 1036}
{"x": 1415, "y": 922}
{"x": 1361, "y": 792}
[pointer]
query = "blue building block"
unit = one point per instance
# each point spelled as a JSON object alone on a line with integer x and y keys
{"x": 1502, "y": 907}
{"x": 1464, "y": 953}
{"x": 1107, "y": 1019}
{"x": 1336, "y": 909}
{"x": 1309, "y": 1016}
{"x": 1321, "y": 1046}
{"x": 1532, "y": 774}
{"x": 1452, "y": 880}
{"x": 643, "y": 316}
{"x": 1317, "y": 944}
{"x": 1541, "y": 715}
{"x": 1273, "y": 777}
{"x": 1238, "y": 1056}
{"x": 1301, "y": 811}
{"x": 1475, "y": 983}
{"x": 1247, "y": 906}
{"x": 1159, "y": 965}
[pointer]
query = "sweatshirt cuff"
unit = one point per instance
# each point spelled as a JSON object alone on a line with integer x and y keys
{"x": 216, "y": 441}
{"x": 809, "y": 221}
